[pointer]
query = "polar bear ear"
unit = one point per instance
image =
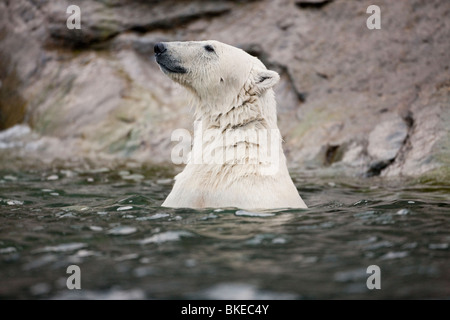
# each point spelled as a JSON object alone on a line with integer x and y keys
{"x": 266, "y": 79}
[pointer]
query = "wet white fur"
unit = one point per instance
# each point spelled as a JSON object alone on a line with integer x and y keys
{"x": 232, "y": 94}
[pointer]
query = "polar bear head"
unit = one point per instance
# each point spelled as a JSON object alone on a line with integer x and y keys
{"x": 216, "y": 73}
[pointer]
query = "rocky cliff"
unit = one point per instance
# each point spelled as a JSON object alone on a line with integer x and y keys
{"x": 351, "y": 100}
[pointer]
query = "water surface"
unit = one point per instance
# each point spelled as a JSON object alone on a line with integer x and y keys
{"x": 110, "y": 224}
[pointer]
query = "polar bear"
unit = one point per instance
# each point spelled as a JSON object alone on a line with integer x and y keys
{"x": 237, "y": 159}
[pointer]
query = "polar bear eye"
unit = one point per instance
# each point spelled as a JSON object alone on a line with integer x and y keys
{"x": 209, "y": 48}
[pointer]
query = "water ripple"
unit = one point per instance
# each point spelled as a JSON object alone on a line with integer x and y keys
{"x": 110, "y": 222}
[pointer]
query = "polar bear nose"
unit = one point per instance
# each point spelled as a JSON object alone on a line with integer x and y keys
{"x": 160, "y": 48}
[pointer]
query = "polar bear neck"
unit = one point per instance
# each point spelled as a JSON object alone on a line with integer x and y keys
{"x": 249, "y": 108}
{"x": 244, "y": 132}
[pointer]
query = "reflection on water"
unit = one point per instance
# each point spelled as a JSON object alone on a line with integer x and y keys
{"x": 111, "y": 225}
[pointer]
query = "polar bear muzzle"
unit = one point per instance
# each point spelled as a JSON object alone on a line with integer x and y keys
{"x": 166, "y": 61}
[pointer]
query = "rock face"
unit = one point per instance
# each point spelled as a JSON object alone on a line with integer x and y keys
{"x": 385, "y": 142}
{"x": 351, "y": 100}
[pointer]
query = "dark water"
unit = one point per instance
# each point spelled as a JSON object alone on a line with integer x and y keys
{"x": 110, "y": 224}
